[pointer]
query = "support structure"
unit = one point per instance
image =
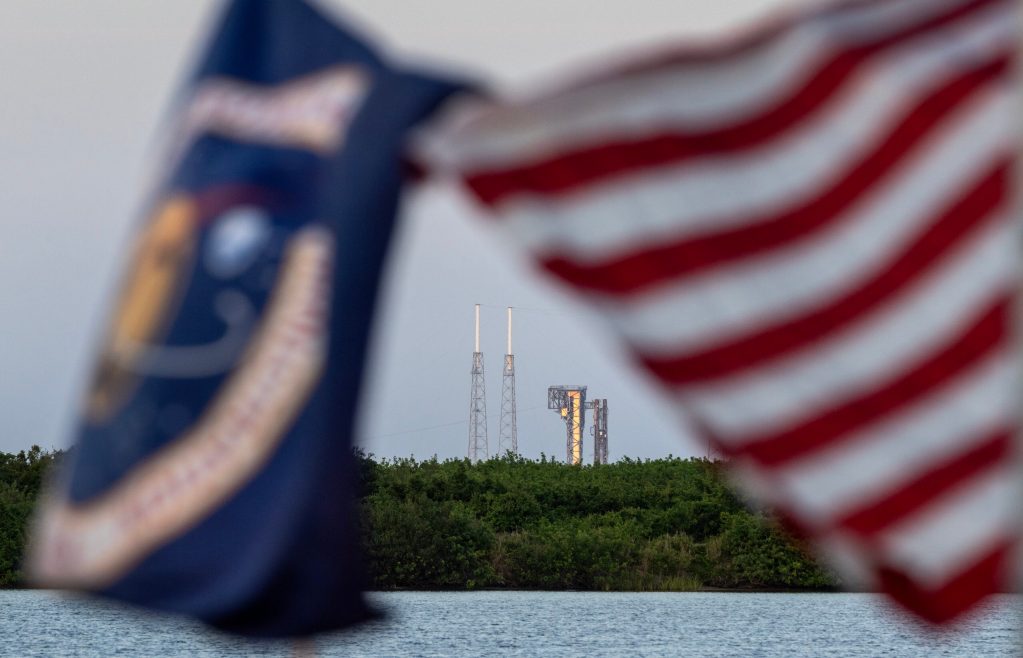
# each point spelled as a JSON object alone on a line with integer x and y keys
{"x": 570, "y": 402}
{"x": 477, "y": 403}
{"x": 508, "y": 437}
{"x": 599, "y": 430}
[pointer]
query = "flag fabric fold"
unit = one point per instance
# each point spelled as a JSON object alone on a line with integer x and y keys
{"x": 212, "y": 471}
{"x": 806, "y": 237}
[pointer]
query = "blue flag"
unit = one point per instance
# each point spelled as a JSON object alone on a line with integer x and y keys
{"x": 212, "y": 473}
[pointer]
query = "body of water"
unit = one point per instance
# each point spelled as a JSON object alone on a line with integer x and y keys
{"x": 564, "y": 624}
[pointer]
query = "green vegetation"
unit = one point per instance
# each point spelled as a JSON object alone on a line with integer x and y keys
{"x": 666, "y": 524}
{"x": 21, "y": 478}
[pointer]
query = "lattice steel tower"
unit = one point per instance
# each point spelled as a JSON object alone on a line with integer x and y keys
{"x": 477, "y": 403}
{"x": 599, "y": 430}
{"x": 508, "y": 438}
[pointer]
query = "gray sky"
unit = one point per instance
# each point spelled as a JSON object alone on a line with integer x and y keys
{"x": 84, "y": 87}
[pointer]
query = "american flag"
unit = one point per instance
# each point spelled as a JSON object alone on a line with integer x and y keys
{"x": 804, "y": 235}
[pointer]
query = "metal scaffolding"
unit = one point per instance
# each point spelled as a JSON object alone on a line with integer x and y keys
{"x": 570, "y": 402}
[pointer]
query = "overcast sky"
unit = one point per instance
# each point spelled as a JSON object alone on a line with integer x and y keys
{"x": 85, "y": 84}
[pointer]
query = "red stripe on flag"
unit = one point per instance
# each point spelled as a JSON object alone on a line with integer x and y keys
{"x": 983, "y": 336}
{"x": 929, "y": 487}
{"x": 567, "y": 171}
{"x": 969, "y": 585}
{"x": 966, "y": 216}
{"x": 640, "y": 270}
{"x": 736, "y": 45}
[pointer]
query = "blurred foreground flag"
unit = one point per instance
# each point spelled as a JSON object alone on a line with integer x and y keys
{"x": 212, "y": 472}
{"x": 806, "y": 237}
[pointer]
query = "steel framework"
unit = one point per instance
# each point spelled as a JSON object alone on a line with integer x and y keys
{"x": 599, "y": 430}
{"x": 478, "y": 403}
{"x": 508, "y": 437}
{"x": 570, "y": 402}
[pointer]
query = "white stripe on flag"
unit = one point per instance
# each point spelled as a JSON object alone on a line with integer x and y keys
{"x": 879, "y": 346}
{"x": 784, "y": 282}
{"x": 886, "y": 455}
{"x": 956, "y": 530}
{"x": 711, "y": 194}
{"x": 700, "y": 96}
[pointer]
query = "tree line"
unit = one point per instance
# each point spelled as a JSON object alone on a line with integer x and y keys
{"x": 664, "y": 524}
{"x": 21, "y": 479}
{"x": 646, "y": 525}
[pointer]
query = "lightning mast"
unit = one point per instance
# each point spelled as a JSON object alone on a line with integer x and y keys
{"x": 508, "y": 439}
{"x": 477, "y": 403}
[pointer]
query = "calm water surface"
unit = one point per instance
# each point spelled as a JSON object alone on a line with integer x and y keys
{"x": 571, "y": 624}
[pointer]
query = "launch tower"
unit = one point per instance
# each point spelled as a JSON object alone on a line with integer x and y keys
{"x": 570, "y": 402}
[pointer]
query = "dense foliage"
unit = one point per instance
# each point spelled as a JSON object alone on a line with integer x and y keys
{"x": 21, "y": 478}
{"x": 666, "y": 524}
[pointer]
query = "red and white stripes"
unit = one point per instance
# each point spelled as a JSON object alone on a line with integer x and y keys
{"x": 806, "y": 238}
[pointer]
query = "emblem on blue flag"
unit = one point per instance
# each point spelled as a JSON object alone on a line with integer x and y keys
{"x": 212, "y": 472}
